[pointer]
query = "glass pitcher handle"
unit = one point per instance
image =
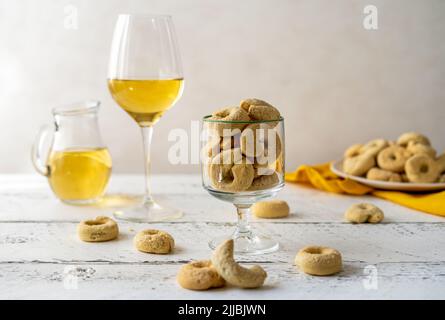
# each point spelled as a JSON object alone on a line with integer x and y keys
{"x": 37, "y": 150}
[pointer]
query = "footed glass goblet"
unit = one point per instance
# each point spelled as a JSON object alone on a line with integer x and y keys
{"x": 243, "y": 162}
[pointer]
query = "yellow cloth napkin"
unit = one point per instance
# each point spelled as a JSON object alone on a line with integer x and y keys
{"x": 321, "y": 177}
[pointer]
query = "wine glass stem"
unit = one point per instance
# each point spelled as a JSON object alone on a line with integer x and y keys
{"x": 147, "y": 133}
{"x": 243, "y": 227}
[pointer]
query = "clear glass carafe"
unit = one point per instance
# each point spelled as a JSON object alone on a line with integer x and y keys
{"x": 72, "y": 156}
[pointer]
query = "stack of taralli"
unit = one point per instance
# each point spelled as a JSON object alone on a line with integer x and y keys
{"x": 244, "y": 151}
{"x": 409, "y": 159}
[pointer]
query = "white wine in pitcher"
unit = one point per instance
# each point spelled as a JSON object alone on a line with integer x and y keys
{"x": 79, "y": 174}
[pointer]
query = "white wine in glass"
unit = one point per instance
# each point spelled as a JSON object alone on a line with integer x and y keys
{"x": 145, "y": 79}
{"x": 146, "y": 100}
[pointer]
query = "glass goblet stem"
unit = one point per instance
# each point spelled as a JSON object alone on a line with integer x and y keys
{"x": 147, "y": 133}
{"x": 243, "y": 226}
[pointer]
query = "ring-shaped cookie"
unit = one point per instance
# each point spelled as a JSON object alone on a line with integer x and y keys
{"x": 98, "y": 230}
{"x": 441, "y": 163}
{"x": 271, "y": 209}
{"x": 374, "y": 146}
{"x": 264, "y": 113}
{"x": 422, "y": 169}
{"x": 216, "y": 144}
{"x": 383, "y": 175}
{"x": 272, "y": 153}
{"x": 264, "y": 182}
{"x": 261, "y": 141}
{"x": 393, "y": 158}
{"x": 199, "y": 275}
{"x": 404, "y": 177}
{"x": 246, "y": 103}
{"x": 353, "y": 150}
{"x": 223, "y": 126}
{"x": 358, "y": 165}
{"x": 252, "y": 140}
{"x": 154, "y": 241}
{"x": 319, "y": 261}
{"x": 364, "y": 212}
{"x": 405, "y": 138}
{"x": 235, "y": 274}
{"x": 420, "y": 148}
{"x": 212, "y": 147}
{"x": 260, "y": 110}
{"x": 230, "y": 171}
{"x": 265, "y": 169}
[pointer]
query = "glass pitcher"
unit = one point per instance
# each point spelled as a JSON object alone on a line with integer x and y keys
{"x": 77, "y": 164}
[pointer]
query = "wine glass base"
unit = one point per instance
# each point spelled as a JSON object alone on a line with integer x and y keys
{"x": 251, "y": 244}
{"x": 149, "y": 212}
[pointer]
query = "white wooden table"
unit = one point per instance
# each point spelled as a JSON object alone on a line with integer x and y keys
{"x": 41, "y": 257}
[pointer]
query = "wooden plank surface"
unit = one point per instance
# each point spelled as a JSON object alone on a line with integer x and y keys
{"x": 58, "y": 242}
{"x": 40, "y": 255}
{"x": 151, "y": 281}
{"x": 29, "y": 198}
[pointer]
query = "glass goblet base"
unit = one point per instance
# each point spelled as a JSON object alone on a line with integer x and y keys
{"x": 248, "y": 244}
{"x": 149, "y": 211}
{"x": 246, "y": 240}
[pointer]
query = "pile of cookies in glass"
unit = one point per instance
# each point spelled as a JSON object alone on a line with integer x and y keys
{"x": 244, "y": 147}
{"x": 410, "y": 158}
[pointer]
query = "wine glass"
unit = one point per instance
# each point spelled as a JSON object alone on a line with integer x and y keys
{"x": 243, "y": 167}
{"x": 145, "y": 78}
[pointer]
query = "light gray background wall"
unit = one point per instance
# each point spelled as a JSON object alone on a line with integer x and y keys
{"x": 334, "y": 82}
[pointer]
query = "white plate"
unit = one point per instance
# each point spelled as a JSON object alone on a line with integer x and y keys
{"x": 337, "y": 168}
